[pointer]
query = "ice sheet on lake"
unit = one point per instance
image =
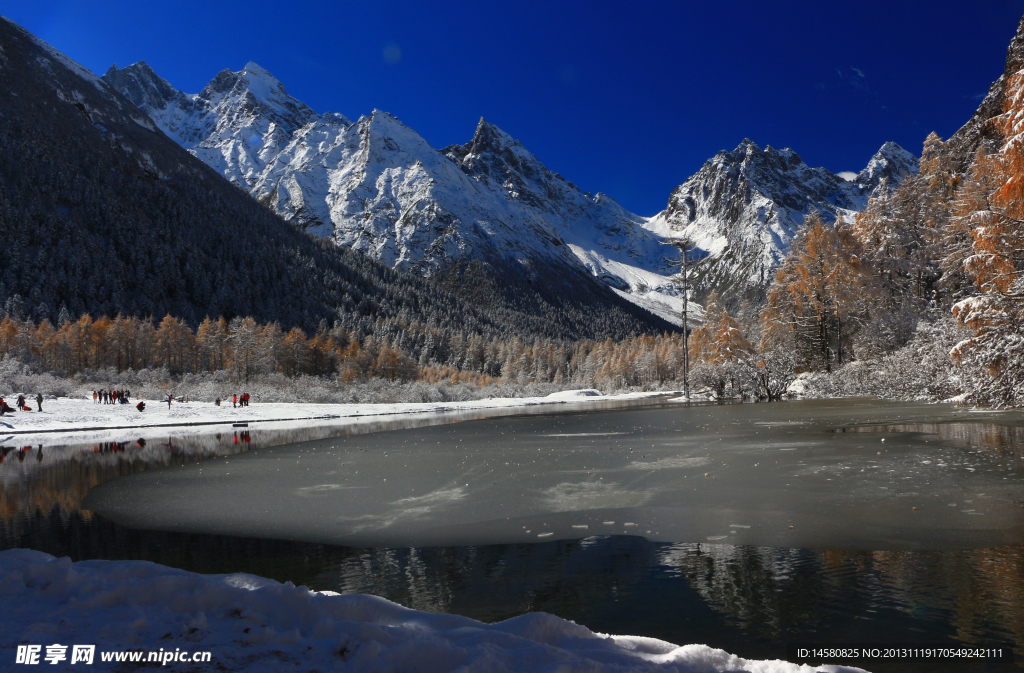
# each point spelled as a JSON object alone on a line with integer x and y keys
{"x": 669, "y": 463}
{"x": 578, "y": 497}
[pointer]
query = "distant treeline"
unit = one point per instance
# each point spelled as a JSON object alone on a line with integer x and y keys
{"x": 397, "y": 351}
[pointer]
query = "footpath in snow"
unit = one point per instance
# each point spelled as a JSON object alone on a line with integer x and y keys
{"x": 66, "y": 415}
{"x": 248, "y": 623}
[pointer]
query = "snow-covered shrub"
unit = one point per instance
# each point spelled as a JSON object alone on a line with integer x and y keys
{"x": 18, "y": 378}
{"x": 771, "y": 372}
{"x": 921, "y": 370}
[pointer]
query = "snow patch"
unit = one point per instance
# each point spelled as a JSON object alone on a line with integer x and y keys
{"x": 575, "y": 394}
{"x": 250, "y": 623}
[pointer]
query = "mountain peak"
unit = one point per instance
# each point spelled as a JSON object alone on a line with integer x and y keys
{"x": 889, "y": 147}
{"x": 139, "y": 70}
{"x": 489, "y": 136}
{"x": 745, "y": 207}
{"x": 384, "y": 117}
{"x": 254, "y": 68}
{"x": 893, "y": 152}
{"x": 141, "y": 85}
{"x": 886, "y": 169}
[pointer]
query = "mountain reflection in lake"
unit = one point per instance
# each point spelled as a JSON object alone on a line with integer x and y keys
{"x": 747, "y": 598}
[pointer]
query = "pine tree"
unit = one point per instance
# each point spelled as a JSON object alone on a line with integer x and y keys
{"x": 818, "y": 295}
{"x": 991, "y": 210}
{"x": 245, "y": 347}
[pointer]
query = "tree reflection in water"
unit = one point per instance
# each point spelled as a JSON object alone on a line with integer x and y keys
{"x": 749, "y": 600}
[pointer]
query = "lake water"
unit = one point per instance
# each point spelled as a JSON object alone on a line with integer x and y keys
{"x": 742, "y": 526}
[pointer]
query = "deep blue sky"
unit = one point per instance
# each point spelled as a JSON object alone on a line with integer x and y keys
{"x": 628, "y": 98}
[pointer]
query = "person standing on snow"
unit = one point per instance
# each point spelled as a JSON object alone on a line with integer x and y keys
{"x": 39, "y": 401}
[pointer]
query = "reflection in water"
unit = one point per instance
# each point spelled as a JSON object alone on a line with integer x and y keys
{"x": 750, "y": 600}
{"x": 38, "y": 478}
{"x": 973, "y": 596}
{"x": 987, "y": 439}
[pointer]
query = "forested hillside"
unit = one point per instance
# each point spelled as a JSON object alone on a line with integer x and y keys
{"x": 922, "y": 294}
{"x": 101, "y": 213}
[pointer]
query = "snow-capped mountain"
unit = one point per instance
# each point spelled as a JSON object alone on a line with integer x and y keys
{"x": 611, "y": 242}
{"x": 236, "y": 124}
{"x": 377, "y": 186}
{"x": 743, "y": 208}
{"x": 91, "y": 183}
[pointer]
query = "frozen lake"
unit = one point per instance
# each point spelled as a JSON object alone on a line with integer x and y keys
{"x": 457, "y": 525}
{"x": 852, "y": 474}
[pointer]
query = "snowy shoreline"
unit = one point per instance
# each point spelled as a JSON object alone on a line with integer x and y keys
{"x": 66, "y": 417}
{"x": 249, "y": 623}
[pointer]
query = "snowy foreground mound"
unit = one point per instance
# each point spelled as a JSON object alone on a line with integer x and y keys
{"x": 254, "y": 624}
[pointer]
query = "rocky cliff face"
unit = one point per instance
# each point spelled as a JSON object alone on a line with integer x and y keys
{"x": 743, "y": 208}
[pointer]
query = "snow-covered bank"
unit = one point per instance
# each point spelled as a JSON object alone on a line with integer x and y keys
{"x": 249, "y": 623}
{"x": 67, "y": 415}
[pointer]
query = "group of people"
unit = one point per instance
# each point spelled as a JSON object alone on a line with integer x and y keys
{"x": 111, "y": 396}
{"x": 236, "y": 401}
{"x": 22, "y": 405}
